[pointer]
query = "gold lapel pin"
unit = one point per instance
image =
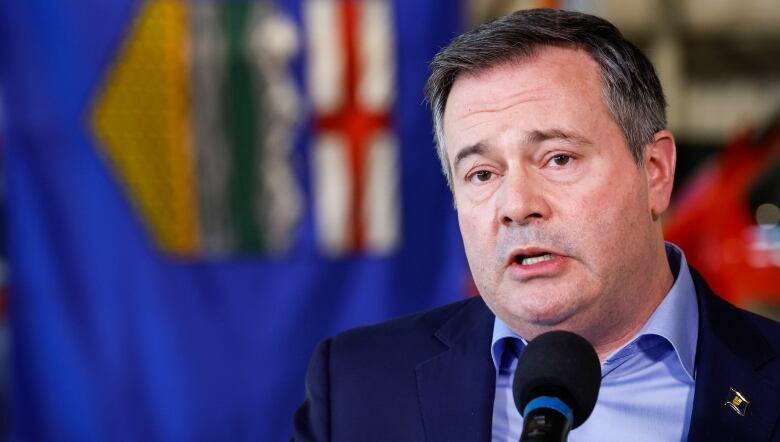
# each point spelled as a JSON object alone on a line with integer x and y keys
{"x": 738, "y": 403}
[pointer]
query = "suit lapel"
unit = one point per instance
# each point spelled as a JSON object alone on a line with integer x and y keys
{"x": 730, "y": 354}
{"x": 456, "y": 387}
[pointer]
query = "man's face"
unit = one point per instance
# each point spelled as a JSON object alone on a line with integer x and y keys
{"x": 554, "y": 212}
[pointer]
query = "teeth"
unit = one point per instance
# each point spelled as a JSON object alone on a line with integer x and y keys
{"x": 535, "y": 259}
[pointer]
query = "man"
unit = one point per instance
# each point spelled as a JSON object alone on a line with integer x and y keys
{"x": 551, "y": 132}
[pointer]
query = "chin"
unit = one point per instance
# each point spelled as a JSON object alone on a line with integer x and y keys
{"x": 537, "y": 320}
{"x": 530, "y": 324}
{"x": 551, "y": 319}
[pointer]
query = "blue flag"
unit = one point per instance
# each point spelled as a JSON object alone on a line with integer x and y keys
{"x": 199, "y": 192}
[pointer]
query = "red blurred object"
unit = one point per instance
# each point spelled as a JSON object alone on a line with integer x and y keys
{"x": 713, "y": 221}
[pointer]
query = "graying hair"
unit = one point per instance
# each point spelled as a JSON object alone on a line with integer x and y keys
{"x": 632, "y": 92}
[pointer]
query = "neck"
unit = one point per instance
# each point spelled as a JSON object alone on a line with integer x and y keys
{"x": 632, "y": 317}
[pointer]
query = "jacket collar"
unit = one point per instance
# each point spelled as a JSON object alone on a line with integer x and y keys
{"x": 730, "y": 355}
{"x": 457, "y": 386}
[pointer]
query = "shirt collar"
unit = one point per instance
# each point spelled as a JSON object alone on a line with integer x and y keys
{"x": 676, "y": 319}
{"x": 502, "y": 333}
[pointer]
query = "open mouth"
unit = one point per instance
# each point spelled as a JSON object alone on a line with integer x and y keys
{"x": 525, "y": 260}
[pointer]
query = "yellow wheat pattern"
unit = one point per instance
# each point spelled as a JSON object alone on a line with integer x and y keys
{"x": 142, "y": 122}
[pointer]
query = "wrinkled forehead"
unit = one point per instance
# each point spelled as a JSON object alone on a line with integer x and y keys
{"x": 524, "y": 55}
{"x": 561, "y": 74}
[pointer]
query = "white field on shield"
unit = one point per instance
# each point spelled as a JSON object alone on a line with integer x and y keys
{"x": 331, "y": 187}
{"x": 381, "y": 201}
{"x": 325, "y": 56}
{"x": 213, "y": 162}
{"x": 272, "y": 44}
{"x": 376, "y": 85}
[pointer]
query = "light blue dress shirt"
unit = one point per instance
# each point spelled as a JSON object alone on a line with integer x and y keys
{"x": 647, "y": 385}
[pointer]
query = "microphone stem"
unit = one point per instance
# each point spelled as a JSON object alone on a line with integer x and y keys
{"x": 545, "y": 425}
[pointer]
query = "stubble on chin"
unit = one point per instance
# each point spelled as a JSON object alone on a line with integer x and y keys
{"x": 532, "y": 312}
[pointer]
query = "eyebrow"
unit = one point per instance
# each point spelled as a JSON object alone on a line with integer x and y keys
{"x": 538, "y": 136}
{"x": 474, "y": 149}
{"x": 533, "y": 137}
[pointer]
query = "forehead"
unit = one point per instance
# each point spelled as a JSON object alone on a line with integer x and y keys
{"x": 555, "y": 82}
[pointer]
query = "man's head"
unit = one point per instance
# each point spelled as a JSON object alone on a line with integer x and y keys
{"x": 559, "y": 212}
{"x": 630, "y": 87}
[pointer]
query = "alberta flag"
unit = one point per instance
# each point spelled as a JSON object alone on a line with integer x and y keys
{"x": 200, "y": 191}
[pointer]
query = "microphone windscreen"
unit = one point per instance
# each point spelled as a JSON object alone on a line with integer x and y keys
{"x": 561, "y": 364}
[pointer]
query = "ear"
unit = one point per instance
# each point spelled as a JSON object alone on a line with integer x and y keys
{"x": 660, "y": 161}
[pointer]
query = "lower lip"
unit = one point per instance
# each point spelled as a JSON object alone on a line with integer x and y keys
{"x": 545, "y": 268}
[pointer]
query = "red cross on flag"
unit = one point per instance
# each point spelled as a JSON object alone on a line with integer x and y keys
{"x": 351, "y": 79}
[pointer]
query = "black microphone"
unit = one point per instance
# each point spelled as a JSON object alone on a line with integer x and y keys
{"x": 556, "y": 385}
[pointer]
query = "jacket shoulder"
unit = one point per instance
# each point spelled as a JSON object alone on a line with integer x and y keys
{"x": 754, "y": 337}
{"x": 737, "y": 350}
{"x": 403, "y": 336}
{"x": 362, "y": 383}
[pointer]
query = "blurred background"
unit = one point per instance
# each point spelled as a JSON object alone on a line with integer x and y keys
{"x": 195, "y": 193}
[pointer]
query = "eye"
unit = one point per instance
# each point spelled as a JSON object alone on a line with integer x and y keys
{"x": 481, "y": 176}
{"x": 561, "y": 159}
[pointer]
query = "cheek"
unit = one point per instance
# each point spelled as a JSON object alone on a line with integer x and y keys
{"x": 478, "y": 241}
{"x": 612, "y": 220}
{"x": 615, "y": 198}
{"x": 471, "y": 229}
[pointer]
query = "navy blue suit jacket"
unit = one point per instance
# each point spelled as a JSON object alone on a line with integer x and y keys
{"x": 429, "y": 377}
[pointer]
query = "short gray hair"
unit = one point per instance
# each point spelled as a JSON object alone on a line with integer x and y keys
{"x": 632, "y": 92}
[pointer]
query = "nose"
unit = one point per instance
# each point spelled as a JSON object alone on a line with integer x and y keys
{"x": 522, "y": 199}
